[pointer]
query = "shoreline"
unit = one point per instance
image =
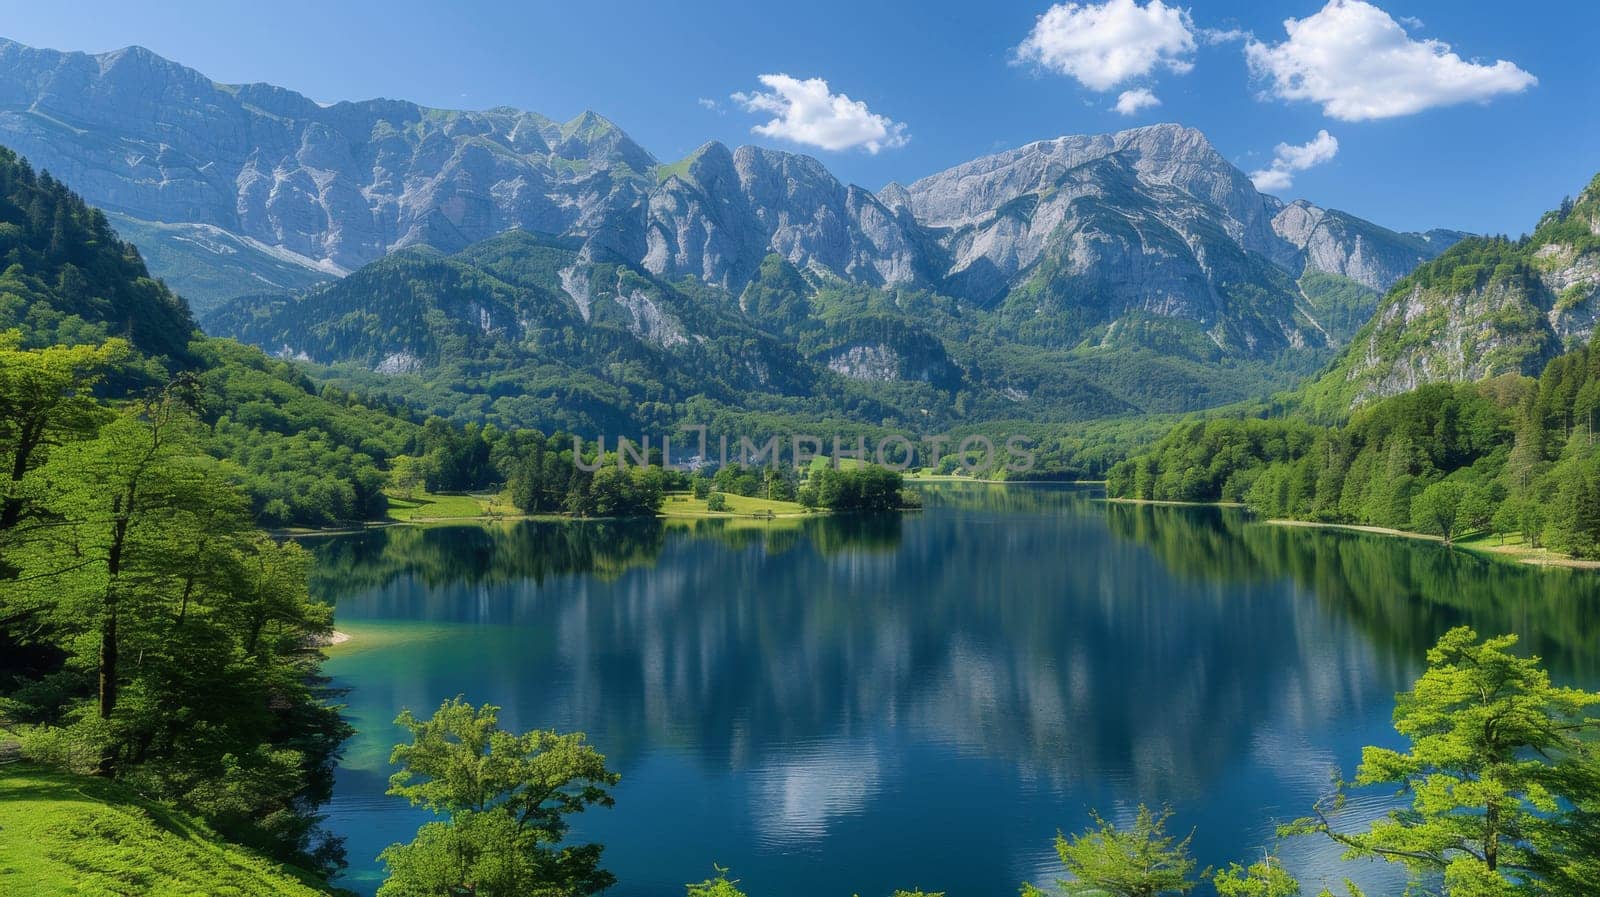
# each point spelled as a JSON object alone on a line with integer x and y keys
{"x": 358, "y": 527}
{"x": 1515, "y": 553}
{"x": 1175, "y": 504}
{"x": 1476, "y": 544}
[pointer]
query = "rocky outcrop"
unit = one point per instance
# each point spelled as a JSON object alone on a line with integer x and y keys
{"x": 973, "y": 194}
{"x": 1484, "y": 308}
{"x": 1334, "y": 242}
{"x": 718, "y": 213}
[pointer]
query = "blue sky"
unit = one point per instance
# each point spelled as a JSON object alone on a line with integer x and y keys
{"x": 1416, "y": 137}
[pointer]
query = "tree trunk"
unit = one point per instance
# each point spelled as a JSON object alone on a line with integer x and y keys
{"x": 27, "y": 441}
{"x": 108, "y": 632}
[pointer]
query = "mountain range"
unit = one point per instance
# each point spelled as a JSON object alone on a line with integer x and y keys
{"x": 1142, "y": 265}
{"x": 339, "y": 185}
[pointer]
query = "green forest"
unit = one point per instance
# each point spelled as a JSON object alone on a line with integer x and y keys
{"x": 1512, "y": 456}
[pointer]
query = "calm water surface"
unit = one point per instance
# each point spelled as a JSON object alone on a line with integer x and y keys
{"x": 848, "y": 706}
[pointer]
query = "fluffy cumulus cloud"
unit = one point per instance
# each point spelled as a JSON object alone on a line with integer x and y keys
{"x": 1289, "y": 158}
{"x": 808, "y": 112}
{"x": 1104, "y": 45}
{"x": 1359, "y": 63}
{"x": 1130, "y": 102}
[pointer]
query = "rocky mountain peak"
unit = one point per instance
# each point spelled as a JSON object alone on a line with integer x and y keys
{"x": 594, "y": 137}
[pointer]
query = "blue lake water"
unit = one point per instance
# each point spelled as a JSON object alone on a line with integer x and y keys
{"x": 853, "y": 705}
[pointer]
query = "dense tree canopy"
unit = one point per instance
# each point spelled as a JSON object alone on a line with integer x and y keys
{"x": 1511, "y": 455}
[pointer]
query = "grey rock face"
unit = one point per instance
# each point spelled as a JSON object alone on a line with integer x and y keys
{"x": 1168, "y": 156}
{"x": 875, "y": 362}
{"x": 345, "y": 183}
{"x": 1337, "y": 243}
{"x": 717, "y": 213}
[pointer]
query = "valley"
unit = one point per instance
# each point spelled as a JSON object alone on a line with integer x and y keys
{"x": 403, "y": 499}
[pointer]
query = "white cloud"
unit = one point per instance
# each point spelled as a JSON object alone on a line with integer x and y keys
{"x": 806, "y": 112}
{"x": 710, "y": 105}
{"x": 1360, "y": 64}
{"x": 1104, "y": 45}
{"x": 1223, "y": 35}
{"x": 1272, "y": 180}
{"x": 1130, "y": 102}
{"x": 1288, "y": 159}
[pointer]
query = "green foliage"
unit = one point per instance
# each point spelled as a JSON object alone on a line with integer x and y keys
{"x": 1339, "y": 304}
{"x": 867, "y": 487}
{"x": 506, "y": 798}
{"x": 1267, "y": 878}
{"x": 1508, "y": 455}
{"x": 1497, "y": 758}
{"x": 718, "y": 886}
{"x": 738, "y": 479}
{"x": 1137, "y": 861}
{"x": 1438, "y": 508}
{"x": 1215, "y": 460}
{"x": 149, "y": 632}
{"x": 1480, "y": 306}
{"x": 716, "y": 501}
{"x": 306, "y": 457}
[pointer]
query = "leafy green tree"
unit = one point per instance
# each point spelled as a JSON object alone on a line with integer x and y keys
{"x": 407, "y": 474}
{"x": 1266, "y": 878}
{"x": 737, "y": 479}
{"x": 716, "y": 501}
{"x": 507, "y": 797}
{"x": 634, "y": 492}
{"x": 46, "y": 398}
{"x": 1437, "y": 509}
{"x": 864, "y": 488}
{"x": 1141, "y": 861}
{"x": 172, "y": 635}
{"x": 1497, "y": 757}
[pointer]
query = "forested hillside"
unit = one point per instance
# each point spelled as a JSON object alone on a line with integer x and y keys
{"x": 523, "y": 331}
{"x": 1452, "y": 411}
{"x": 1486, "y": 306}
{"x": 148, "y": 631}
{"x": 303, "y": 456}
{"x": 1511, "y": 455}
{"x": 65, "y": 277}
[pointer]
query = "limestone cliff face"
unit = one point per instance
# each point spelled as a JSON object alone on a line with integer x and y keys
{"x": 717, "y": 213}
{"x": 975, "y": 195}
{"x": 1485, "y": 307}
{"x": 1334, "y": 242}
{"x": 342, "y": 184}
{"x": 1150, "y": 221}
